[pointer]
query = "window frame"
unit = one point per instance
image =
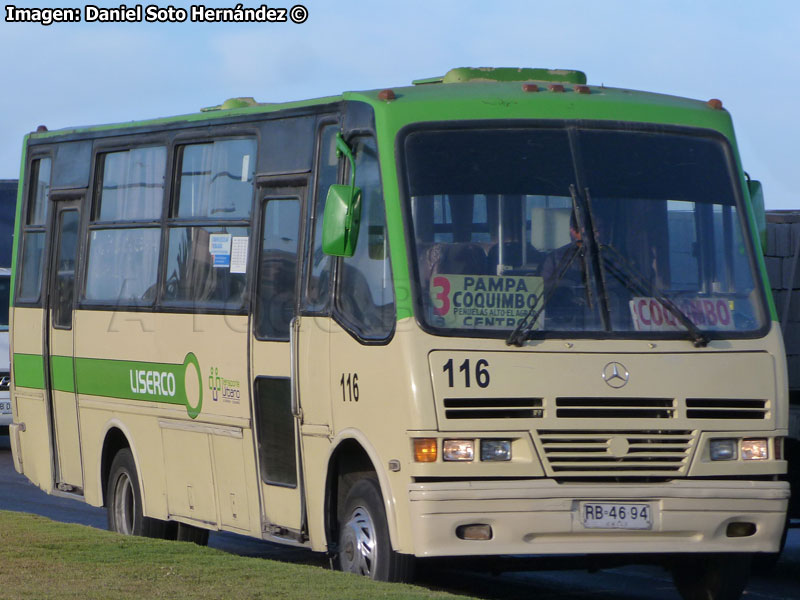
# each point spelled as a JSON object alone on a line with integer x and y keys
{"x": 27, "y": 229}
{"x": 347, "y": 324}
{"x": 309, "y": 225}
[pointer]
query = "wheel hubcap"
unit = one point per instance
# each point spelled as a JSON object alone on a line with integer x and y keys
{"x": 124, "y": 504}
{"x": 359, "y": 551}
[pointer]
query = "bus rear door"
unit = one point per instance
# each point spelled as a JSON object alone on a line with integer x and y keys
{"x": 59, "y": 348}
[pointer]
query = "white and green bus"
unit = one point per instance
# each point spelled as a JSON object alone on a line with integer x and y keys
{"x": 499, "y": 312}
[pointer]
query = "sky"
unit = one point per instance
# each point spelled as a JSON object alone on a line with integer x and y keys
{"x": 745, "y": 53}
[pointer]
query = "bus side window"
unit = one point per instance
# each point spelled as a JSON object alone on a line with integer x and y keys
{"x": 123, "y": 261}
{"x": 317, "y": 270}
{"x": 33, "y": 234}
{"x": 366, "y": 292}
{"x": 216, "y": 183}
{"x": 277, "y": 268}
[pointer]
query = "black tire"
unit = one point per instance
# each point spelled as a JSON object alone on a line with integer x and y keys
{"x": 364, "y": 544}
{"x": 190, "y": 533}
{"x": 124, "y": 501}
{"x": 711, "y": 576}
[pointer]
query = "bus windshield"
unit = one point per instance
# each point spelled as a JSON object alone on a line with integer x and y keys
{"x": 569, "y": 229}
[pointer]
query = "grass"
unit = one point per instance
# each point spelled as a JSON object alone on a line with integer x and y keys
{"x": 43, "y": 559}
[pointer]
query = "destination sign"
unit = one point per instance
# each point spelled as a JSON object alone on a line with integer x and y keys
{"x": 483, "y": 301}
{"x": 714, "y": 314}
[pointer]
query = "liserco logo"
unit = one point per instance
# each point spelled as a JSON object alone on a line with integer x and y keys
{"x": 193, "y": 384}
{"x": 167, "y": 383}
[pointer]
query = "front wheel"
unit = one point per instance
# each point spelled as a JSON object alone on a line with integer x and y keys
{"x": 711, "y": 577}
{"x": 364, "y": 544}
{"x": 124, "y": 501}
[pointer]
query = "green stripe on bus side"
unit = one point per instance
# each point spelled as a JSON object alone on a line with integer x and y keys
{"x": 29, "y": 371}
{"x": 166, "y": 383}
{"x": 120, "y": 379}
{"x": 62, "y": 372}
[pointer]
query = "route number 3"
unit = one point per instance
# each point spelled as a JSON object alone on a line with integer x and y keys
{"x": 481, "y": 375}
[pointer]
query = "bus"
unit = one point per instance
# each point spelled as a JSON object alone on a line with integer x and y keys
{"x": 8, "y": 203}
{"x": 496, "y": 313}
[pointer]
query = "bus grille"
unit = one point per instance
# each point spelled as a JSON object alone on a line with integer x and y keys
{"x": 585, "y": 453}
{"x": 615, "y": 408}
{"x": 725, "y": 408}
{"x": 493, "y": 408}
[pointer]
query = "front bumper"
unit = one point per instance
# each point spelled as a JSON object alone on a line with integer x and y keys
{"x": 541, "y": 516}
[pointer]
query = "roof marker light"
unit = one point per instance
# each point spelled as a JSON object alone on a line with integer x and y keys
{"x": 582, "y": 89}
{"x": 530, "y": 87}
{"x": 386, "y": 95}
{"x": 715, "y": 103}
{"x": 555, "y": 87}
{"x": 41, "y": 129}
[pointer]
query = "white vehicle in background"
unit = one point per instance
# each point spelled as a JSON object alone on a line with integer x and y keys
{"x": 5, "y": 371}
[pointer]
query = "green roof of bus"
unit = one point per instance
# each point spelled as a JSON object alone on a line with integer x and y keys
{"x": 480, "y": 94}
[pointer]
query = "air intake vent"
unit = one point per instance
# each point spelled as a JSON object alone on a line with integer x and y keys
{"x": 493, "y": 408}
{"x": 616, "y": 453}
{"x": 725, "y": 408}
{"x": 615, "y": 408}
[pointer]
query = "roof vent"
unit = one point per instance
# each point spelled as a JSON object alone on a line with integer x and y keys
{"x": 512, "y": 74}
{"x": 232, "y": 103}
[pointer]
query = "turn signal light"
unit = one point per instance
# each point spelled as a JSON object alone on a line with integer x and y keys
{"x": 425, "y": 449}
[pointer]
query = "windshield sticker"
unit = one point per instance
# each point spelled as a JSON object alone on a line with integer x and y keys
{"x": 483, "y": 301}
{"x": 219, "y": 246}
{"x": 239, "y": 255}
{"x": 714, "y": 314}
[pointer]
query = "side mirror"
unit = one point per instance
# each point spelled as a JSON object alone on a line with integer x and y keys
{"x": 342, "y": 216}
{"x": 342, "y": 219}
{"x": 759, "y": 211}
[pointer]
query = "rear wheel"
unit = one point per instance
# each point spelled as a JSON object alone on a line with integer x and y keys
{"x": 364, "y": 544}
{"x": 711, "y": 577}
{"x": 124, "y": 501}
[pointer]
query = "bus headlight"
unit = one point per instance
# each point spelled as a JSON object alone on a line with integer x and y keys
{"x": 458, "y": 450}
{"x": 723, "y": 449}
{"x": 496, "y": 450}
{"x": 754, "y": 449}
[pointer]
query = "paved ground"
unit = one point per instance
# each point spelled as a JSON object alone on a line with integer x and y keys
{"x": 627, "y": 583}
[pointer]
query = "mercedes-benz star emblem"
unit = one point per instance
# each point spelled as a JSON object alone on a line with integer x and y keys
{"x": 615, "y": 374}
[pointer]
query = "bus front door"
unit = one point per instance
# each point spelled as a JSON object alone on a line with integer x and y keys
{"x": 59, "y": 348}
{"x": 272, "y": 353}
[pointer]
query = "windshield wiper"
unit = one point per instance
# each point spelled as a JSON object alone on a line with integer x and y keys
{"x": 527, "y": 323}
{"x": 629, "y": 276}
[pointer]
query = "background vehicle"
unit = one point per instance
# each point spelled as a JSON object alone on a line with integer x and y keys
{"x": 499, "y": 312}
{"x": 8, "y": 203}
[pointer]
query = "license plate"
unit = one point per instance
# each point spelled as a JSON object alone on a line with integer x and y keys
{"x": 605, "y": 515}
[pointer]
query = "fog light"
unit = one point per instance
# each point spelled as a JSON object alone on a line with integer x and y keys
{"x": 723, "y": 449}
{"x": 495, "y": 449}
{"x": 740, "y": 529}
{"x": 754, "y": 449}
{"x": 425, "y": 449}
{"x": 458, "y": 450}
{"x": 474, "y": 532}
